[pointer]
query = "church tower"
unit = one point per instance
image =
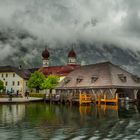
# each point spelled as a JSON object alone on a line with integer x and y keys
{"x": 45, "y": 55}
{"x": 71, "y": 57}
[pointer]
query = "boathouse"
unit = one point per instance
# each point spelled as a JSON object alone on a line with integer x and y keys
{"x": 101, "y": 82}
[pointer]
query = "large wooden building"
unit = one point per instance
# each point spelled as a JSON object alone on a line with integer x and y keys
{"x": 104, "y": 81}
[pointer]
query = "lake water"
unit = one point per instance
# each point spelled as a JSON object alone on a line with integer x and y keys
{"x": 40, "y": 121}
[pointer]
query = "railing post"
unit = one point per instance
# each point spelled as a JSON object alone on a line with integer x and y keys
{"x": 105, "y": 99}
{"x": 116, "y": 98}
{"x": 99, "y": 100}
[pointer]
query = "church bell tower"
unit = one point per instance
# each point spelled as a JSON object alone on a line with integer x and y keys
{"x": 71, "y": 57}
{"x": 45, "y": 56}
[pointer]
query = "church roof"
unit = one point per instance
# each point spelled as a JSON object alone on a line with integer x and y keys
{"x": 45, "y": 54}
{"x": 101, "y": 75}
{"x": 24, "y": 73}
{"x": 59, "y": 70}
{"x": 72, "y": 53}
{"x": 32, "y": 70}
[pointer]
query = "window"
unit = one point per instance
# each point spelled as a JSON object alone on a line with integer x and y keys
{"x": 122, "y": 77}
{"x": 13, "y": 83}
{"x": 79, "y": 79}
{"x": 136, "y": 78}
{"x": 6, "y": 83}
{"x": 6, "y": 74}
{"x": 94, "y": 79}
{"x": 66, "y": 80}
{"x": 18, "y": 83}
{"x": 13, "y": 74}
{"x": 2, "y": 75}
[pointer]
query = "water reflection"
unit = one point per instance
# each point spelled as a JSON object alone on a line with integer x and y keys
{"x": 12, "y": 113}
{"x": 42, "y": 121}
{"x": 99, "y": 111}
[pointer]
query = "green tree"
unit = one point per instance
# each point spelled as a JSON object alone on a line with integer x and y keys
{"x": 50, "y": 82}
{"x": 36, "y": 80}
{"x": 1, "y": 85}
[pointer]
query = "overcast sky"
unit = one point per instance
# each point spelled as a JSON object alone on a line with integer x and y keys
{"x": 67, "y": 21}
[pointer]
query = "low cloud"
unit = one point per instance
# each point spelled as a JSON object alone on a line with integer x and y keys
{"x": 30, "y": 25}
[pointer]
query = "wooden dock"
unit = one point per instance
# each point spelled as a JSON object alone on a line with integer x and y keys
{"x": 83, "y": 98}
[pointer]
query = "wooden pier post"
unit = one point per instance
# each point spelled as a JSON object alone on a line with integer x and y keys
{"x": 80, "y": 98}
{"x": 99, "y": 100}
{"x": 105, "y": 100}
{"x": 116, "y": 98}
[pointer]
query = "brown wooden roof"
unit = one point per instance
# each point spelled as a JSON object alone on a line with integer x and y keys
{"x": 101, "y": 75}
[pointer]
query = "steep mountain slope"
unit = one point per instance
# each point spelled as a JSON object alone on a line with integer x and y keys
{"x": 22, "y": 48}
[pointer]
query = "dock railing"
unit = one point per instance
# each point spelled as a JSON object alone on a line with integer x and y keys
{"x": 108, "y": 100}
{"x": 87, "y": 99}
{"x": 84, "y": 98}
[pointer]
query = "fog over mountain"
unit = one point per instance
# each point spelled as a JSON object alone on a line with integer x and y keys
{"x": 102, "y": 30}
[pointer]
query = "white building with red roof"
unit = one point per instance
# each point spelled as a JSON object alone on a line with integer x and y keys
{"x": 60, "y": 71}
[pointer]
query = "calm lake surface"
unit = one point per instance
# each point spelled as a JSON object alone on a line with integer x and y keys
{"x": 40, "y": 121}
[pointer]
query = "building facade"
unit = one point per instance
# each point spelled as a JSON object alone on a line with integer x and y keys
{"x": 14, "y": 79}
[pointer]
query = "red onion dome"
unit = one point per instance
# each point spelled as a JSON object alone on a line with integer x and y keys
{"x": 45, "y": 54}
{"x": 72, "y": 53}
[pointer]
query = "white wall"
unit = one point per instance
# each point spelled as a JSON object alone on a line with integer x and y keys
{"x": 10, "y": 79}
{"x": 71, "y": 60}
